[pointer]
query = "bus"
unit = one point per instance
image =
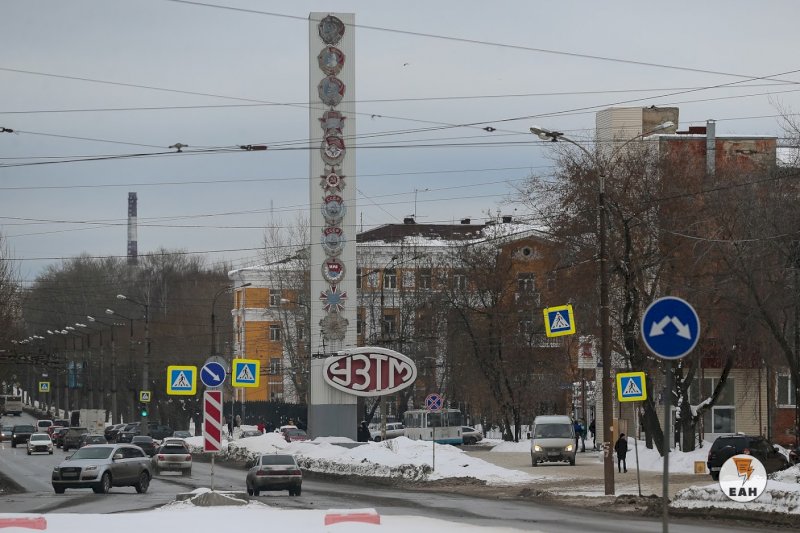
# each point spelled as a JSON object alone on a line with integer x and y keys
{"x": 11, "y": 404}
{"x": 445, "y": 425}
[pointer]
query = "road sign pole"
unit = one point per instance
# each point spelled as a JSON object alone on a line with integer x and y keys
{"x": 667, "y": 429}
{"x": 433, "y": 435}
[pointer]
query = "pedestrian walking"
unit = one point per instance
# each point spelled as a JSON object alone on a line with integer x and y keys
{"x": 592, "y": 428}
{"x": 578, "y": 432}
{"x": 363, "y": 432}
{"x": 621, "y": 447}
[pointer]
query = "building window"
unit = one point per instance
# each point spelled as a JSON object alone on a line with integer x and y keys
{"x": 424, "y": 278}
{"x": 274, "y": 332}
{"x": 786, "y": 391}
{"x": 526, "y": 282}
{"x": 358, "y": 278}
{"x": 275, "y": 367}
{"x": 274, "y": 298}
{"x": 459, "y": 282}
{"x": 408, "y": 278}
{"x": 301, "y": 331}
{"x": 360, "y": 326}
{"x": 722, "y": 417}
{"x": 388, "y": 325}
{"x": 372, "y": 278}
{"x": 390, "y": 279}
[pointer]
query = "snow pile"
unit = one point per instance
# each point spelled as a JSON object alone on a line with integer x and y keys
{"x": 679, "y": 462}
{"x": 778, "y": 497}
{"x": 790, "y": 475}
{"x": 396, "y": 458}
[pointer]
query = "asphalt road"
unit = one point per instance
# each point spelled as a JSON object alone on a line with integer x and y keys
{"x": 33, "y": 473}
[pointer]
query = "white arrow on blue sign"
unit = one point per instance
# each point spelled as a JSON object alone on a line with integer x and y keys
{"x": 212, "y": 374}
{"x": 670, "y": 327}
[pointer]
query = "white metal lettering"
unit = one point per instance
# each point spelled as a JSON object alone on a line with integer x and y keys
{"x": 341, "y": 372}
{"x": 363, "y": 372}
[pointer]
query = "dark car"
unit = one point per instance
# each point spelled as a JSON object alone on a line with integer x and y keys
{"x": 5, "y": 433}
{"x": 102, "y": 466}
{"x": 87, "y": 439}
{"x": 21, "y": 433}
{"x": 726, "y": 446}
{"x": 294, "y": 435}
{"x": 63, "y": 422}
{"x": 127, "y": 436}
{"x": 110, "y": 432}
{"x": 72, "y": 438}
{"x": 274, "y": 472}
{"x": 145, "y": 443}
{"x": 182, "y": 434}
{"x": 159, "y": 432}
{"x": 58, "y": 437}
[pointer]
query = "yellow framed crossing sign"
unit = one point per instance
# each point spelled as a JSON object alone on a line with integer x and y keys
{"x": 44, "y": 386}
{"x": 181, "y": 380}
{"x": 631, "y": 386}
{"x": 245, "y": 372}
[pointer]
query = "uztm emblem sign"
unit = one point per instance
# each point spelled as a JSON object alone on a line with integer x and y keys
{"x": 559, "y": 321}
{"x": 631, "y": 386}
{"x": 181, "y": 380}
{"x": 245, "y": 372}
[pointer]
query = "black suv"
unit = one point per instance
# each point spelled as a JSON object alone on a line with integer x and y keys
{"x": 726, "y": 446}
{"x": 21, "y": 433}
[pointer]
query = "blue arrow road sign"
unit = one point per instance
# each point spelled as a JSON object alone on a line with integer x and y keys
{"x": 212, "y": 374}
{"x": 670, "y": 327}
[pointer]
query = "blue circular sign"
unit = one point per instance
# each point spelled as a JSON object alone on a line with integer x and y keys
{"x": 670, "y": 327}
{"x": 212, "y": 374}
{"x": 434, "y": 402}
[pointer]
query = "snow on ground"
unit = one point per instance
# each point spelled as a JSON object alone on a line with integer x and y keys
{"x": 777, "y": 497}
{"x": 185, "y": 516}
{"x": 399, "y": 458}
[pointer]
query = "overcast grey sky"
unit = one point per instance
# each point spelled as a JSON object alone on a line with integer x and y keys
{"x": 253, "y": 69}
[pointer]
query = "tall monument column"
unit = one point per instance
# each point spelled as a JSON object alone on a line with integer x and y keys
{"x": 332, "y": 186}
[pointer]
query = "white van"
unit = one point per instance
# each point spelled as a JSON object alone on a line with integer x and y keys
{"x": 42, "y": 425}
{"x": 553, "y": 439}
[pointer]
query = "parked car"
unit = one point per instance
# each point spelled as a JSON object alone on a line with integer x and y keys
{"x": 87, "y": 439}
{"x": 5, "y": 433}
{"x": 393, "y": 430}
{"x": 173, "y": 456}
{"x": 182, "y": 434}
{"x": 146, "y": 443}
{"x": 159, "y": 432}
{"x": 21, "y": 433}
{"x": 294, "y": 435}
{"x": 726, "y": 446}
{"x": 250, "y": 433}
{"x": 274, "y": 472}
{"x": 40, "y": 442}
{"x": 471, "y": 435}
{"x": 110, "y": 432}
{"x": 103, "y": 466}
{"x": 58, "y": 436}
{"x": 72, "y": 438}
{"x": 126, "y": 437}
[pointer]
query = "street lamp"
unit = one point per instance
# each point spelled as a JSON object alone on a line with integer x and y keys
{"x": 114, "y": 411}
{"x": 111, "y": 312}
{"x": 146, "y": 365}
{"x": 214, "y": 318}
{"x": 605, "y": 321}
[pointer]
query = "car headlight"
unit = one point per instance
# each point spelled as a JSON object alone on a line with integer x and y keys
{"x": 569, "y": 447}
{"x": 55, "y": 469}
{"x": 537, "y": 448}
{"x": 90, "y": 467}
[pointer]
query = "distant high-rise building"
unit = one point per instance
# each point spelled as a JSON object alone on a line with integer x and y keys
{"x": 133, "y": 252}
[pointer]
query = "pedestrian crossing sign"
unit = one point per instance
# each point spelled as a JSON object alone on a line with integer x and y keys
{"x": 144, "y": 396}
{"x": 559, "y": 321}
{"x": 44, "y": 386}
{"x": 245, "y": 372}
{"x": 631, "y": 386}
{"x": 181, "y": 380}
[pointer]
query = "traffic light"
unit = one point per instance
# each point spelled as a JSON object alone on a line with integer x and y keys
{"x": 143, "y": 410}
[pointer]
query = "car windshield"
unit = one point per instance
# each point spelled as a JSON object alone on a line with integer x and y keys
{"x": 92, "y": 453}
{"x": 182, "y": 434}
{"x": 40, "y": 437}
{"x": 24, "y": 429}
{"x": 295, "y": 432}
{"x": 553, "y": 431}
{"x": 277, "y": 460}
{"x": 723, "y": 442}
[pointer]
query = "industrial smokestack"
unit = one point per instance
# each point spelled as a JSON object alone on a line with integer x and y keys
{"x": 133, "y": 251}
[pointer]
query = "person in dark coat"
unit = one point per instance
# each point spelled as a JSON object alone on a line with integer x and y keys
{"x": 363, "y": 432}
{"x": 621, "y": 447}
{"x": 592, "y": 428}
